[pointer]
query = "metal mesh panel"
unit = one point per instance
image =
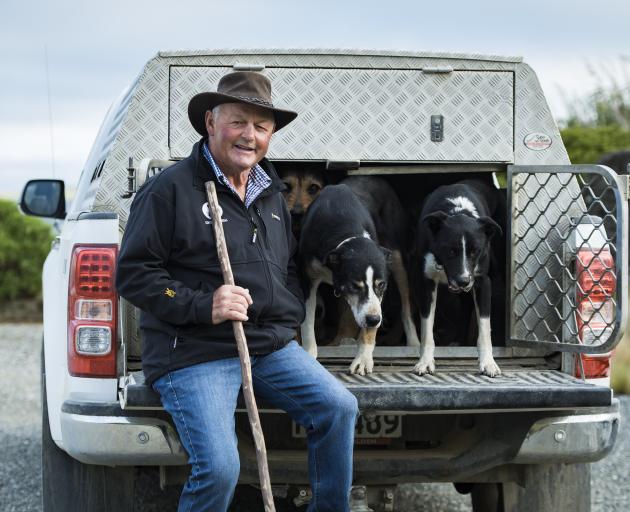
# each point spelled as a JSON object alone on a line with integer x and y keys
{"x": 567, "y": 245}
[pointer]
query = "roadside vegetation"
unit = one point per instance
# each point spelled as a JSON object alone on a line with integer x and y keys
{"x": 24, "y": 244}
{"x": 599, "y": 123}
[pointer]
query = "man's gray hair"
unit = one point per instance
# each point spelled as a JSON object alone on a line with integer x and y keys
{"x": 215, "y": 111}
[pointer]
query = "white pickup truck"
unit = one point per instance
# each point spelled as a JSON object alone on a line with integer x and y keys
{"x": 521, "y": 441}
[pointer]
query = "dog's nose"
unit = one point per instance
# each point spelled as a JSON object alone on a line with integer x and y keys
{"x": 372, "y": 320}
{"x": 464, "y": 282}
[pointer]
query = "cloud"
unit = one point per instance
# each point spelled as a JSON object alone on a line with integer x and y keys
{"x": 14, "y": 175}
{"x": 95, "y": 50}
{"x": 26, "y": 152}
{"x": 31, "y": 141}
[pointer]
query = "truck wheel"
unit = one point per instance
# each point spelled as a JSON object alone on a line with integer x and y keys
{"x": 249, "y": 499}
{"x": 487, "y": 497}
{"x": 71, "y": 486}
{"x": 548, "y": 488}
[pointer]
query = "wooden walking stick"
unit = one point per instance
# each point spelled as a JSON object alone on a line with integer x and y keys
{"x": 243, "y": 354}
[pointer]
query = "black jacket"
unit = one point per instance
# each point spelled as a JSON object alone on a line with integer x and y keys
{"x": 169, "y": 268}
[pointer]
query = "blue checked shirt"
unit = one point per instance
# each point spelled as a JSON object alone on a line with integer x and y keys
{"x": 256, "y": 183}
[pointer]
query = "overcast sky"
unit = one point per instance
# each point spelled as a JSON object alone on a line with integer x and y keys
{"x": 95, "y": 49}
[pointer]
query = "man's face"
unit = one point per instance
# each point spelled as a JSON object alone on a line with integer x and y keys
{"x": 239, "y": 136}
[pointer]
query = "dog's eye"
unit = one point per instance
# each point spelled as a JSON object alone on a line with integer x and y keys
{"x": 380, "y": 285}
{"x": 313, "y": 189}
{"x": 289, "y": 186}
{"x": 355, "y": 287}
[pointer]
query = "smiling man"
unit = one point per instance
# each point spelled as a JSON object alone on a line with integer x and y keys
{"x": 168, "y": 267}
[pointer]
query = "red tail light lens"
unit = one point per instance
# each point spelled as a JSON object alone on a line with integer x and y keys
{"x": 595, "y": 292}
{"x": 595, "y": 366}
{"x": 596, "y": 278}
{"x": 92, "y": 311}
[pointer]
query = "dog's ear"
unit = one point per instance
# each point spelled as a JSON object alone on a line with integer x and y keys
{"x": 387, "y": 253}
{"x": 434, "y": 221}
{"x": 490, "y": 227}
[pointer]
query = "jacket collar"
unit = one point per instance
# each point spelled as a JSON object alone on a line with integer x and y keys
{"x": 203, "y": 172}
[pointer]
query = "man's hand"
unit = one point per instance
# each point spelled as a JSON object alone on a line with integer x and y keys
{"x": 230, "y": 303}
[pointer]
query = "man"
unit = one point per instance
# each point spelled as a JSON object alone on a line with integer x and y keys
{"x": 168, "y": 267}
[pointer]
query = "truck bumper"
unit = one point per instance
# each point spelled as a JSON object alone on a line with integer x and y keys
{"x": 103, "y": 434}
{"x": 106, "y": 434}
{"x": 569, "y": 439}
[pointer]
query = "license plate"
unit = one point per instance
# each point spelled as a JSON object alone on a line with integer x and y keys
{"x": 376, "y": 427}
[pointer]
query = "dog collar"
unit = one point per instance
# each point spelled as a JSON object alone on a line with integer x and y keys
{"x": 364, "y": 235}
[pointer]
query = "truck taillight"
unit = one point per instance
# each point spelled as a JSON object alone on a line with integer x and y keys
{"x": 92, "y": 311}
{"x": 596, "y": 279}
{"x": 596, "y": 366}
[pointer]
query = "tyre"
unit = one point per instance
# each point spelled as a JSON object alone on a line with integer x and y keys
{"x": 487, "y": 497}
{"x": 548, "y": 488}
{"x": 70, "y": 486}
{"x": 249, "y": 499}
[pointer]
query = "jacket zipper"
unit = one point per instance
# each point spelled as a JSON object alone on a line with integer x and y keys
{"x": 262, "y": 225}
{"x": 265, "y": 263}
{"x": 253, "y": 241}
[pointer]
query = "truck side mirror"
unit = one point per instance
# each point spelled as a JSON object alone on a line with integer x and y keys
{"x": 44, "y": 198}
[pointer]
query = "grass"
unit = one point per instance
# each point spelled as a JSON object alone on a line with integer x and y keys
{"x": 620, "y": 374}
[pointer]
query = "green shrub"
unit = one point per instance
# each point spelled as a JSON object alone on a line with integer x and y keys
{"x": 599, "y": 122}
{"x": 24, "y": 244}
{"x": 587, "y": 144}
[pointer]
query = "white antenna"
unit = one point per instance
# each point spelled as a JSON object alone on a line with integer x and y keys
{"x": 50, "y": 118}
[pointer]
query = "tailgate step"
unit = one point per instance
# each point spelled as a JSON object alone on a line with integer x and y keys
{"x": 445, "y": 391}
{"x": 461, "y": 390}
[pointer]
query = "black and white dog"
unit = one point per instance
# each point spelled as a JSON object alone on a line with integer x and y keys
{"x": 339, "y": 245}
{"x": 453, "y": 248}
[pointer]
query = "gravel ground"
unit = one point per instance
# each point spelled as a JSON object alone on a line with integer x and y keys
{"x": 20, "y": 431}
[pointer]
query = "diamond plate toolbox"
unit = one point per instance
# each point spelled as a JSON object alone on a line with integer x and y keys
{"x": 370, "y": 115}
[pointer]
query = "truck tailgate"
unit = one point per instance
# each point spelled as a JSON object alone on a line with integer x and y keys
{"x": 392, "y": 389}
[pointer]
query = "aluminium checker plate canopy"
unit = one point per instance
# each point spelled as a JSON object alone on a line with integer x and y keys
{"x": 363, "y": 105}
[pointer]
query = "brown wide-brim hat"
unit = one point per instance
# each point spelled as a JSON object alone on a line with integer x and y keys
{"x": 246, "y": 87}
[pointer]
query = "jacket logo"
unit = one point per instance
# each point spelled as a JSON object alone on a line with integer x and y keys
{"x": 170, "y": 293}
{"x": 205, "y": 209}
{"x": 274, "y": 216}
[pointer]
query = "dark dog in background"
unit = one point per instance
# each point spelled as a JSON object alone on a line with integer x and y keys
{"x": 453, "y": 249}
{"x": 302, "y": 187}
{"x": 618, "y": 161}
{"x": 600, "y": 200}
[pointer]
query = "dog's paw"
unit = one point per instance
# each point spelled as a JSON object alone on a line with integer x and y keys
{"x": 362, "y": 364}
{"x": 489, "y": 367}
{"x": 425, "y": 366}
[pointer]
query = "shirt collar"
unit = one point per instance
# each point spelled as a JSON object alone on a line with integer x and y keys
{"x": 257, "y": 181}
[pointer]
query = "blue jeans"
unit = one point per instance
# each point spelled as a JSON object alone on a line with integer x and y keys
{"x": 202, "y": 400}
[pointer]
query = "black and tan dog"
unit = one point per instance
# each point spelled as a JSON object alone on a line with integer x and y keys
{"x": 339, "y": 245}
{"x": 302, "y": 187}
{"x": 453, "y": 248}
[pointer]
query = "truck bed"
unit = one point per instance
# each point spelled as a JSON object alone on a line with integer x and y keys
{"x": 525, "y": 384}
